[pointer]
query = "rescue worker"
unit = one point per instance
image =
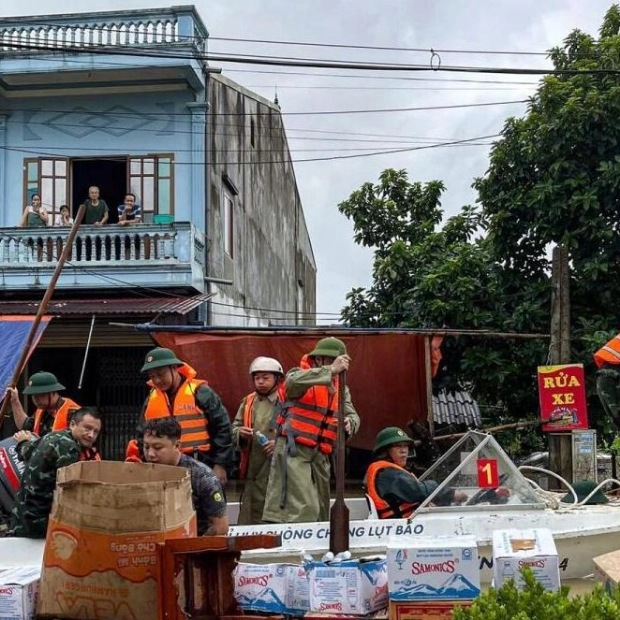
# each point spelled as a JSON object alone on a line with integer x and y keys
{"x": 57, "y": 449}
{"x": 162, "y": 445}
{"x": 254, "y": 436}
{"x": 395, "y": 492}
{"x": 607, "y": 358}
{"x": 298, "y": 490}
{"x": 53, "y": 411}
{"x": 175, "y": 391}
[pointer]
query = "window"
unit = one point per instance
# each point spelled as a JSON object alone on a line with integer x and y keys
{"x": 47, "y": 177}
{"x": 151, "y": 179}
{"x": 228, "y": 224}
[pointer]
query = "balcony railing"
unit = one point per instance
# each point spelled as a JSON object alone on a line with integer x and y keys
{"x": 111, "y": 28}
{"x": 143, "y": 254}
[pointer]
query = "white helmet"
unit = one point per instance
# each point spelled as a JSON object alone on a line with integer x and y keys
{"x": 266, "y": 364}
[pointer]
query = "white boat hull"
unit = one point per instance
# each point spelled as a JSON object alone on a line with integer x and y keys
{"x": 580, "y": 534}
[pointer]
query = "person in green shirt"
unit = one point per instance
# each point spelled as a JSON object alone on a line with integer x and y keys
{"x": 34, "y": 215}
{"x": 96, "y": 209}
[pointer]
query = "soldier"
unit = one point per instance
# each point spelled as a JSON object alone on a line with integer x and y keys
{"x": 162, "y": 445}
{"x": 57, "y": 449}
{"x": 52, "y": 410}
{"x": 299, "y": 482}
{"x": 607, "y": 358}
{"x": 253, "y": 436}
{"x": 204, "y": 420}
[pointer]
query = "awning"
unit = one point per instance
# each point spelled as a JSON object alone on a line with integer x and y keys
{"x": 108, "y": 306}
{"x": 14, "y": 332}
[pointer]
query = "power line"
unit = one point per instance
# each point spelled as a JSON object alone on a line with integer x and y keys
{"x": 310, "y": 62}
{"x": 379, "y": 47}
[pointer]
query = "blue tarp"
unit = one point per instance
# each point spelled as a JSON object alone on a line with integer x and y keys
{"x": 14, "y": 332}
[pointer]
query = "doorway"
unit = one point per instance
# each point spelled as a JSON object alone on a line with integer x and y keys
{"x": 109, "y": 175}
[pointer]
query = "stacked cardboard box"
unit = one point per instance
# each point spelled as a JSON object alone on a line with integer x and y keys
{"x": 429, "y": 576}
{"x": 19, "y": 590}
{"x": 514, "y": 549}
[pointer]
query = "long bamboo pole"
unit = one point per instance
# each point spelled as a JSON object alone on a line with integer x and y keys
{"x": 19, "y": 368}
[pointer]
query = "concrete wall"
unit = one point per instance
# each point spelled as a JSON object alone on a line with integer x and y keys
{"x": 272, "y": 254}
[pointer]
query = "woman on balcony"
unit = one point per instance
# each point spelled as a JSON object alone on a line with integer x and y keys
{"x": 35, "y": 215}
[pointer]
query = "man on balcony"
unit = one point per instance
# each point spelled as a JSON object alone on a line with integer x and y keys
{"x": 97, "y": 211}
{"x": 175, "y": 391}
{"x": 129, "y": 212}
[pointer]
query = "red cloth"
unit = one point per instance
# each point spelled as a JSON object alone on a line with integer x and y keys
{"x": 387, "y": 377}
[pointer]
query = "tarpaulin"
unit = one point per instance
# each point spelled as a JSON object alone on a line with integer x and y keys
{"x": 14, "y": 332}
{"x": 387, "y": 376}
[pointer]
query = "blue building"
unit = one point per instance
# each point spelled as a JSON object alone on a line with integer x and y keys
{"x": 127, "y": 102}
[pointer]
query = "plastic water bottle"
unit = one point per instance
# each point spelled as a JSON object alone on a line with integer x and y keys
{"x": 261, "y": 438}
{"x": 343, "y": 555}
{"x": 328, "y": 557}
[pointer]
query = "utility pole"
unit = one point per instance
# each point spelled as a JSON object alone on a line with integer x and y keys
{"x": 560, "y": 444}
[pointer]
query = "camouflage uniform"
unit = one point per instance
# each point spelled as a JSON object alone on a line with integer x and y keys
{"x": 608, "y": 389}
{"x": 36, "y": 493}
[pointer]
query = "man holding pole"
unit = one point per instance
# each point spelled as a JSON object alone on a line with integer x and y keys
{"x": 299, "y": 481}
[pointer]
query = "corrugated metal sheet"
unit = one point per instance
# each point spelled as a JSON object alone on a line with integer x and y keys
{"x": 108, "y": 306}
{"x": 456, "y": 408}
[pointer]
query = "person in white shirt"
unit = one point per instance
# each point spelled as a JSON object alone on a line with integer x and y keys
{"x": 64, "y": 217}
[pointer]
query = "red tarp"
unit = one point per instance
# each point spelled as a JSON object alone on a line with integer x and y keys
{"x": 387, "y": 377}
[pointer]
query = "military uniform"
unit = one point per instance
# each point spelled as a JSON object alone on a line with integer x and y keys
{"x": 36, "y": 493}
{"x": 299, "y": 484}
{"x": 258, "y": 466}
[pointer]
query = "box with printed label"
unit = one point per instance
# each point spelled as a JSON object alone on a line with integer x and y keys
{"x": 433, "y": 567}
{"x": 424, "y": 610}
{"x": 514, "y": 549}
{"x": 350, "y": 587}
{"x": 273, "y": 588}
{"x": 19, "y": 589}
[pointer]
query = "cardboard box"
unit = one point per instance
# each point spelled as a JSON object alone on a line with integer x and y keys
{"x": 19, "y": 590}
{"x": 424, "y": 610}
{"x": 514, "y": 549}
{"x": 102, "y": 556}
{"x": 607, "y": 570}
{"x": 350, "y": 587}
{"x": 273, "y": 588}
{"x": 433, "y": 568}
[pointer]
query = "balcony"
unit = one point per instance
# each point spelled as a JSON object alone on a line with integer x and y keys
{"x": 160, "y": 256}
{"x": 111, "y": 45}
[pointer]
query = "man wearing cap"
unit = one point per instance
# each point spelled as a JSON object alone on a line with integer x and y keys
{"x": 299, "y": 482}
{"x": 394, "y": 491}
{"x": 53, "y": 411}
{"x": 205, "y": 424}
{"x": 254, "y": 436}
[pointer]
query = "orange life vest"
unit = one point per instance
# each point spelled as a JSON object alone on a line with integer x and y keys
{"x": 609, "y": 353}
{"x": 385, "y": 510}
{"x": 89, "y": 454}
{"x": 61, "y": 417}
{"x": 311, "y": 420}
{"x": 194, "y": 428}
{"x": 247, "y": 421}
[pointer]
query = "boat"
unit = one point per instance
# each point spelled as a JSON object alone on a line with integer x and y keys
{"x": 479, "y": 466}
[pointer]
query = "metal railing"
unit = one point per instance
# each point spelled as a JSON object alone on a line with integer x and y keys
{"x": 111, "y": 28}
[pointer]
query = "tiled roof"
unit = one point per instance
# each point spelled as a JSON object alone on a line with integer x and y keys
{"x": 456, "y": 408}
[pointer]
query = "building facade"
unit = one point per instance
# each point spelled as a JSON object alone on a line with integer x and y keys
{"x": 126, "y": 101}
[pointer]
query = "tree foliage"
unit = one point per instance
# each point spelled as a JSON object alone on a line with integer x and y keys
{"x": 553, "y": 178}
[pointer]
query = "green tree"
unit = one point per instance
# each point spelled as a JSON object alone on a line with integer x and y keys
{"x": 553, "y": 178}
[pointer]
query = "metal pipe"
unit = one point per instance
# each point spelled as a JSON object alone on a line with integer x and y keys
{"x": 90, "y": 335}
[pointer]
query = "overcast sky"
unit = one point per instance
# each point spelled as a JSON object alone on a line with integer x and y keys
{"x": 464, "y": 25}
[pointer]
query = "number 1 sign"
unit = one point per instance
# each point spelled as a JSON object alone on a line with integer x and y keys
{"x": 488, "y": 473}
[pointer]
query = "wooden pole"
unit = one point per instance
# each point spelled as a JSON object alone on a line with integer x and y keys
{"x": 19, "y": 368}
{"x": 560, "y": 447}
{"x": 339, "y": 514}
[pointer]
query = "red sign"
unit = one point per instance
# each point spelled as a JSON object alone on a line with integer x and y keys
{"x": 488, "y": 473}
{"x": 562, "y": 394}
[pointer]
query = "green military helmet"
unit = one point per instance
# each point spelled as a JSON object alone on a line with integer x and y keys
{"x": 329, "y": 347}
{"x": 390, "y": 436}
{"x": 43, "y": 383}
{"x": 583, "y": 488}
{"x": 160, "y": 357}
